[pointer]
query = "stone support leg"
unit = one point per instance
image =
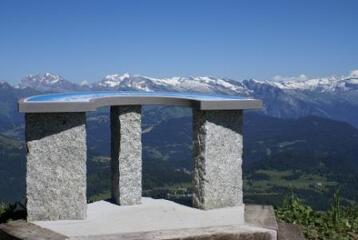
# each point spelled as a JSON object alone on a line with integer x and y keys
{"x": 56, "y": 166}
{"x": 126, "y": 154}
{"x": 217, "y": 154}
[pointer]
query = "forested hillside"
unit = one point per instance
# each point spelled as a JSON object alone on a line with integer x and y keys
{"x": 311, "y": 157}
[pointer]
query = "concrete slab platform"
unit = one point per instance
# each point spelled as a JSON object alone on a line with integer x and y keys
{"x": 154, "y": 219}
{"x": 261, "y": 215}
{"x": 153, "y": 214}
{"x": 242, "y": 232}
{"x": 290, "y": 232}
{"x": 22, "y": 230}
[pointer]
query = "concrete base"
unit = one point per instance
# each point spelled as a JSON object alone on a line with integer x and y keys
{"x": 161, "y": 219}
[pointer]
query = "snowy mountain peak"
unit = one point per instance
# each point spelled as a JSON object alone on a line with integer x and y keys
{"x": 205, "y": 84}
{"x": 113, "y": 80}
{"x": 85, "y": 83}
{"x": 44, "y": 78}
{"x": 47, "y": 82}
{"x": 354, "y": 74}
{"x": 117, "y": 77}
{"x": 4, "y": 85}
{"x": 323, "y": 84}
{"x": 293, "y": 97}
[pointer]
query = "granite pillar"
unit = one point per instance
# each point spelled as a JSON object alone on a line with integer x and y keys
{"x": 56, "y": 166}
{"x": 217, "y": 155}
{"x": 126, "y": 154}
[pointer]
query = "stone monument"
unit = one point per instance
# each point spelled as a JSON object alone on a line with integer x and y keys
{"x": 56, "y": 167}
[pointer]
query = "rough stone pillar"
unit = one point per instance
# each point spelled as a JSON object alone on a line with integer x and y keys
{"x": 126, "y": 154}
{"x": 217, "y": 154}
{"x": 56, "y": 166}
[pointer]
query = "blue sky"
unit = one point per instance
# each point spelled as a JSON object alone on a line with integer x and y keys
{"x": 85, "y": 40}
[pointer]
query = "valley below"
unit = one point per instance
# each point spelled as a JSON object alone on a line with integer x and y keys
{"x": 310, "y": 157}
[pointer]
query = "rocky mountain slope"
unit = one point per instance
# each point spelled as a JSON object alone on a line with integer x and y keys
{"x": 48, "y": 82}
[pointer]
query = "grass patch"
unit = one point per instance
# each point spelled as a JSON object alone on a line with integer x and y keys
{"x": 336, "y": 223}
{"x": 290, "y": 179}
{"x": 13, "y": 211}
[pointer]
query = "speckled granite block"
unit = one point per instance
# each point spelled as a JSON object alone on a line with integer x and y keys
{"x": 56, "y": 166}
{"x": 126, "y": 154}
{"x": 217, "y": 154}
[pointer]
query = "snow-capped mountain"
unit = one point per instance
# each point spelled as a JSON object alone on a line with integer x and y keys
{"x": 48, "y": 82}
{"x": 205, "y": 84}
{"x": 113, "y": 81}
{"x": 175, "y": 84}
{"x": 227, "y": 86}
{"x": 5, "y": 85}
{"x": 325, "y": 84}
{"x": 333, "y": 97}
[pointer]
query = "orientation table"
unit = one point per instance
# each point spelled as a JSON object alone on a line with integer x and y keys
{"x": 55, "y": 130}
{"x": 90, "y": 101}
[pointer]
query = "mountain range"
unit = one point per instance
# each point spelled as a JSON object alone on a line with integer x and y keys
{"x": 286, "y": 148}
{"x": 334, "y": 97}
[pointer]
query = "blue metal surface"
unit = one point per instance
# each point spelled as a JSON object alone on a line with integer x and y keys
{"x": 87, "y": 96}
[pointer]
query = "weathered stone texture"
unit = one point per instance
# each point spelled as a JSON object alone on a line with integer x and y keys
{"x": 217, "y": 154}
{"x": 21, "y": 230}
{"x": 208, "y": 233}
{"x": 261, "y": 215}
{"x": 288, "y": 231}
{"x": 56, "y": 166}
{"x": 126, "y": 154}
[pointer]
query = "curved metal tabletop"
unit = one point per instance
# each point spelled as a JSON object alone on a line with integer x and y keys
{"x": 90, "y": 101}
